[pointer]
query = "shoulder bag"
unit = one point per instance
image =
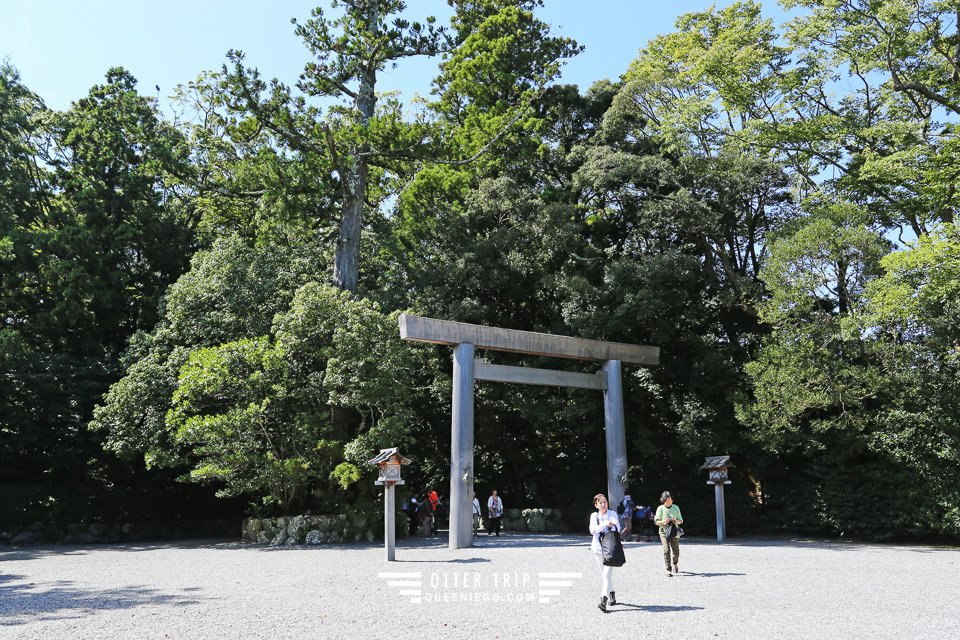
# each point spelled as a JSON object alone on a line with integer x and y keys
{"x": 612, "y": 548}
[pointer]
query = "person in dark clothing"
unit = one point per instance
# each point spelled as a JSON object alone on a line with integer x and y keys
{"x": 643, "y": 523}
{"x": 411, "y": 510}
{"x": 425, "y": 515}
{"x": 625, "y": 510}
{"x": 440, "y": 514}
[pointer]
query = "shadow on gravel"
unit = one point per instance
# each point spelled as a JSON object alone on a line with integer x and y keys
{"x": 512, "y": 540}
{"x": 58, "y": 550}
{"x": 454, "y": 561}
{"x": 693, "y": 574}
{"x": 24, "y": 602}
{"x": 34, "y": 553}
{"x": 789, "y": 544}
{"x": 650, "y": 608}
{"x": 825, "y": 545}
{"x": 528, "y": 541}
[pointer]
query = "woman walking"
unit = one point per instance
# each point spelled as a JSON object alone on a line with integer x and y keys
{"x": 603, "y": 521}
{"x": 668, "y": 518}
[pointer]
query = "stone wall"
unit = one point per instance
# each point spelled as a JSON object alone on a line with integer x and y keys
{"x": 327, "y": 529}
{"x": 108, "y": 533}
{"x": 303, "y": 529}
{"x": 535, "y": 520}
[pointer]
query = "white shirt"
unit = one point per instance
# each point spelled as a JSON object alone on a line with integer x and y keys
{"x": 495, "y": 505}
{"x": 476, "y": 506}
{"x": 598, "y": 523}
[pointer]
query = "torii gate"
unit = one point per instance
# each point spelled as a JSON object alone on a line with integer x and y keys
{"x": 464, "y": 338}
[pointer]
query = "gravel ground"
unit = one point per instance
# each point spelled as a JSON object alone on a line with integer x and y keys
{"x": 743, "y": 589}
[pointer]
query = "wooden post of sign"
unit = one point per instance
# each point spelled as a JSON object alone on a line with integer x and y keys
{"x": 461, "y": 449}
{"x": 717, "y": 468}
{"x": 390, "y": 522}
{"x": 389, "y": 462}
{"x": 721, "y": 518}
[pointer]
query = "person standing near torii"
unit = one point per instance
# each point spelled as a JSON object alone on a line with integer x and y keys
{"x": 494, "y": 512}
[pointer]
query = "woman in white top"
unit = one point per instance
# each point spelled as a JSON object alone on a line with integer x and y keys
{"x": 603, "y": 520}
{"x": 495, "y": 512}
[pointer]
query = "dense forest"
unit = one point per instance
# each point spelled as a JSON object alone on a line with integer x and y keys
{"x": 198, "y": 315}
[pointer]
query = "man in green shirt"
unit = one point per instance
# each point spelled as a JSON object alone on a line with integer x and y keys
{"x": 669, "y": 514}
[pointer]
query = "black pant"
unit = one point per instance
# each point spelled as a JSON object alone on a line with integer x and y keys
{"x": 493, "y": 526}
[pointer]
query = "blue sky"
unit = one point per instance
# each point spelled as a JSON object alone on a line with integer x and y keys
{"x": 63, "y": 47}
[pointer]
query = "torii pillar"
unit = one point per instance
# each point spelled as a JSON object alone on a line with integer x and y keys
{"x": 465, "y": 338}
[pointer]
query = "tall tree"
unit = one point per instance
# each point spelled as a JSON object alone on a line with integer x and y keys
{"x": 243, "y": 179}
{"x": 493, "y": 109}
{"x": 24, "y": 195}
{"x": 704, "y": 95}
{"x": 349, "y": 53}
{"x": 103, "y": 248}
{"x": 890, "y": 139}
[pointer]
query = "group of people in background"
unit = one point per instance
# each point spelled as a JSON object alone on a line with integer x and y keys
{"x": 635, "y": 520}
{"x": 604, "y": 521}
{"x": 424, "y": 513}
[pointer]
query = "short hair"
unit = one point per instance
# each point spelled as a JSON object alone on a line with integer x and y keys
{"x": 599, "y": 496}
{"x": 665, "y": 496}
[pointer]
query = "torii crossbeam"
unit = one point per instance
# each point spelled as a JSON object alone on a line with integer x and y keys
{"x": 464, "y": 338}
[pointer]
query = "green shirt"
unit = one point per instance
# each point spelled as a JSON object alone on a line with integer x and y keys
{"x": 663, "y": 512}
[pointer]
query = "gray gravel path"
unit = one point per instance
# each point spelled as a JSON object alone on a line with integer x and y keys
{"x": 743, "y": 589}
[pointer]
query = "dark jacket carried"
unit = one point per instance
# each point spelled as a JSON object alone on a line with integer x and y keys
{"x": 612, "y": 549}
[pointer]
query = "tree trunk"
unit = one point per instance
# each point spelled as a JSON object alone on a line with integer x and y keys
{"x": 346, "y": 260}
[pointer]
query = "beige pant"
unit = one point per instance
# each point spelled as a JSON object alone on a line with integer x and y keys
{"x": 674, "y": 544}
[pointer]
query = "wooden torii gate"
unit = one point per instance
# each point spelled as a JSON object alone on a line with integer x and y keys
{"x": 464, "y": 338}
